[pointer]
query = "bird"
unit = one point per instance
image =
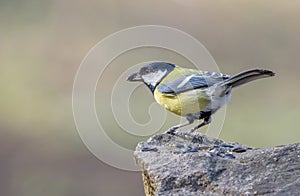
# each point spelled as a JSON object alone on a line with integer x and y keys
{"x": 192, "y": 93}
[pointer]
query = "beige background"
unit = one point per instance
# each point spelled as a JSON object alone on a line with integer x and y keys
{"x": 43, "y": 42}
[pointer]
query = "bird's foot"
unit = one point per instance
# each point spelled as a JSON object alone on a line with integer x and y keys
{"x": 171, "y": 131}
{"x": 180, "y": 133}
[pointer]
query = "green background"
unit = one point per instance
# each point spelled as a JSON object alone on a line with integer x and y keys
{"x": 43, "y": 42}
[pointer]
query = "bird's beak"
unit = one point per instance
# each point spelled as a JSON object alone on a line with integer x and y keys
{"x": 135, "y": 77}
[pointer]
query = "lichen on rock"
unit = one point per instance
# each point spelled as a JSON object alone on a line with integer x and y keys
{"x": 194, "y": 164}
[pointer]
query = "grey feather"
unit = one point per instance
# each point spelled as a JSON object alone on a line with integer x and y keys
{"x": 191, "y": 82}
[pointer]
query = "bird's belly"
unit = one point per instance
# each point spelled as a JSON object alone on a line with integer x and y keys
{"x": 218, "y": 102}
{"x": 185, "y": 103}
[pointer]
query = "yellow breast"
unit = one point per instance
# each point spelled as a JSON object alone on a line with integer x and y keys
{"x": 184, "y": 103}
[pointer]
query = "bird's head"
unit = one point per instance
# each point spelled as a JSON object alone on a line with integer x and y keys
{"x": 152, "y": 74}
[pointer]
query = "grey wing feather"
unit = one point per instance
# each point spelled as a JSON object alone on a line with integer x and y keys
{"x": 190, "y": 82}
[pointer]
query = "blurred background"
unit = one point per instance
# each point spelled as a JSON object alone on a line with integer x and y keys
{"x": 43, "y": 42}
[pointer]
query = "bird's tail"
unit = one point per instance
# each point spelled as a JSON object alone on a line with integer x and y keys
{"x": 245, "y": 77}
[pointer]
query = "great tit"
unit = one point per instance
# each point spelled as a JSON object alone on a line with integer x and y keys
{"x": 192, "y": 93}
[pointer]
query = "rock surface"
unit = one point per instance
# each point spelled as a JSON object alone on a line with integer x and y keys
{"x": 197, "y": 165}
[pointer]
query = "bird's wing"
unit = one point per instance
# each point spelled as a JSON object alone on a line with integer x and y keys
{"x": 189, "y": 82}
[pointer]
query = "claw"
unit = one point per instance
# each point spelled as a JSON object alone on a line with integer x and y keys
{"x": 171, "y": 131}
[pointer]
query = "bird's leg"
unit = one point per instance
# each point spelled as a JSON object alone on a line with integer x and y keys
{"x": 189, "y": 121}
{"x": 206, "y": 121}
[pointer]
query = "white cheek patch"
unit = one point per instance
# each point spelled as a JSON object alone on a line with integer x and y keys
{"x": 154, "y": 78}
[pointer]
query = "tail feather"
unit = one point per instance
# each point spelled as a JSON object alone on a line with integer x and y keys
{"x": 246, "y": 76}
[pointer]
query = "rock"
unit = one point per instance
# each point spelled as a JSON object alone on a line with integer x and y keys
{"x": 197, "y": 165}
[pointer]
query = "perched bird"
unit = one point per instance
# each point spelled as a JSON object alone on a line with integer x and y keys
{"x": 192, "y": 93}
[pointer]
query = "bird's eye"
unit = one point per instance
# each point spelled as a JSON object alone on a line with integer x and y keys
{"x": 143, "y": 71}
{"x": 146, "y": 71}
